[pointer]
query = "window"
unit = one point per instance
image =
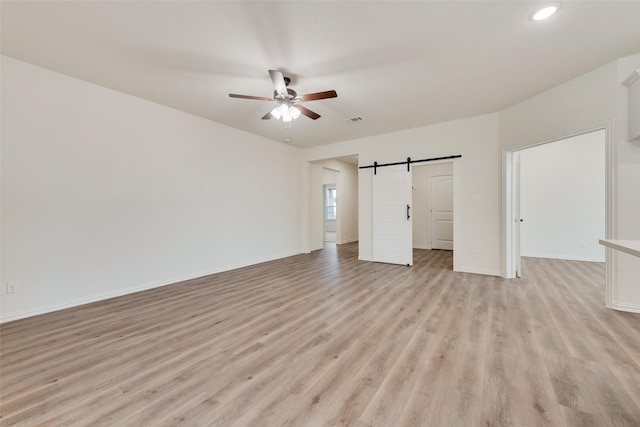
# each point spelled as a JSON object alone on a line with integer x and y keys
{"x": 330, "y": 208}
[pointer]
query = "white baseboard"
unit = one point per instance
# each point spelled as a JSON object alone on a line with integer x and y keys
{"x": 419, "y": 246}
{"x": 94, "y": 298}
{"x": 565, "y": 257}
{"x": 76, "y": 302}
{"x": 347, "y": 241}
{"x": 459, "y": 270}
{"x": 631, "y": 308}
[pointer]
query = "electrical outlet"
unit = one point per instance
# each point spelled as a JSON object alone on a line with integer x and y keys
{"x": 12, "y": 287}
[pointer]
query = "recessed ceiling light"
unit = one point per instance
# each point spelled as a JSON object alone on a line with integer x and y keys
{"x": 545, "y": 11}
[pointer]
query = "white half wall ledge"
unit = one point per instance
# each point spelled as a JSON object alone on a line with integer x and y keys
{"x": 631, "y": 247}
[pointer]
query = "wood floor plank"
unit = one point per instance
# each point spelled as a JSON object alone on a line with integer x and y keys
{"x": 538, "y": 394}
{"x": 461, "y": 404}
{"x": 324, "y": 339}
{"x": 436, "y": 372}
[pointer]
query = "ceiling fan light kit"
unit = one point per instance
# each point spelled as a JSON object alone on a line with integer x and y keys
{"x": 285, "y": 112}
{"x": 287, "y": 98}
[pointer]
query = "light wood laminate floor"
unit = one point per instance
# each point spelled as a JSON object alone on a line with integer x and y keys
{"x": 322, "y": 339}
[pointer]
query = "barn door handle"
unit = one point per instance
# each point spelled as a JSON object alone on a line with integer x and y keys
{"x": 408, "y": 216}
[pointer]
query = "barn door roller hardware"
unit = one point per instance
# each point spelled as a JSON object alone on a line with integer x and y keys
{"x": 408, "y": 162}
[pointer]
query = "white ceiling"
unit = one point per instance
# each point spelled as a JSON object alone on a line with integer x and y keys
{"x": 396, "y": 64}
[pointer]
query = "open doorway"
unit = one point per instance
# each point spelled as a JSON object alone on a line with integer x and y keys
{"x": 557, "y": 200}
{"x": 330, "y": 212}
{"x": 433, "y": 206}
{"x": 333, "y": 201}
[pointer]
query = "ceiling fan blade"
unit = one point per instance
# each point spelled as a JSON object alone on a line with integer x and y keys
{"x": 311, "y": 114}
{"x": 319, "y": 95}
{"x": 258, "y": 98}
{"x": 267, "y": 116}
{"x": 278, "y": 81}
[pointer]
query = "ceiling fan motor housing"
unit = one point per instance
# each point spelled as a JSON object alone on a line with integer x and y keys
{"x": 291, "y": 94}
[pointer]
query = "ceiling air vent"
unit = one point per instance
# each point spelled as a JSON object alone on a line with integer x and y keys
{"x": 355, "y": 119}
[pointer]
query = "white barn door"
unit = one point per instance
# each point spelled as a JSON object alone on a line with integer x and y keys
{"x": 392, "y": 215}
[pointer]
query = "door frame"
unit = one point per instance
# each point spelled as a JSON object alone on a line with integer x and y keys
{"x": 510, "y": 200}
{"x": 517, "y": 217}
{"x": 457, "y": 235}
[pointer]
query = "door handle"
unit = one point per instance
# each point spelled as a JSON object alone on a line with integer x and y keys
{"x": 408, "y": 215}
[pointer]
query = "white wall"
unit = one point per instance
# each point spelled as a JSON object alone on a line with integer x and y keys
{"x": 346, "y": 177}
{"x": 421, "y": 203}
{"x": 594, "y": 98}
{"x": 562, "y": 198}
{"x": 347, "y": 203}
{"x": 104, "y": 193}
{"x": 586, "y": 100}
{"x": 316, "y": 207}
{"x": 329, "y": 176}
{"x": 476, "y": 139}
{"x": 627, "y": 164}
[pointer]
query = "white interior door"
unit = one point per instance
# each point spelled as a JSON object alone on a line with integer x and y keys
{"x": 516, "y": 214}
{"x": 441, "y": 202}
{"x": 392, "y": 216}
